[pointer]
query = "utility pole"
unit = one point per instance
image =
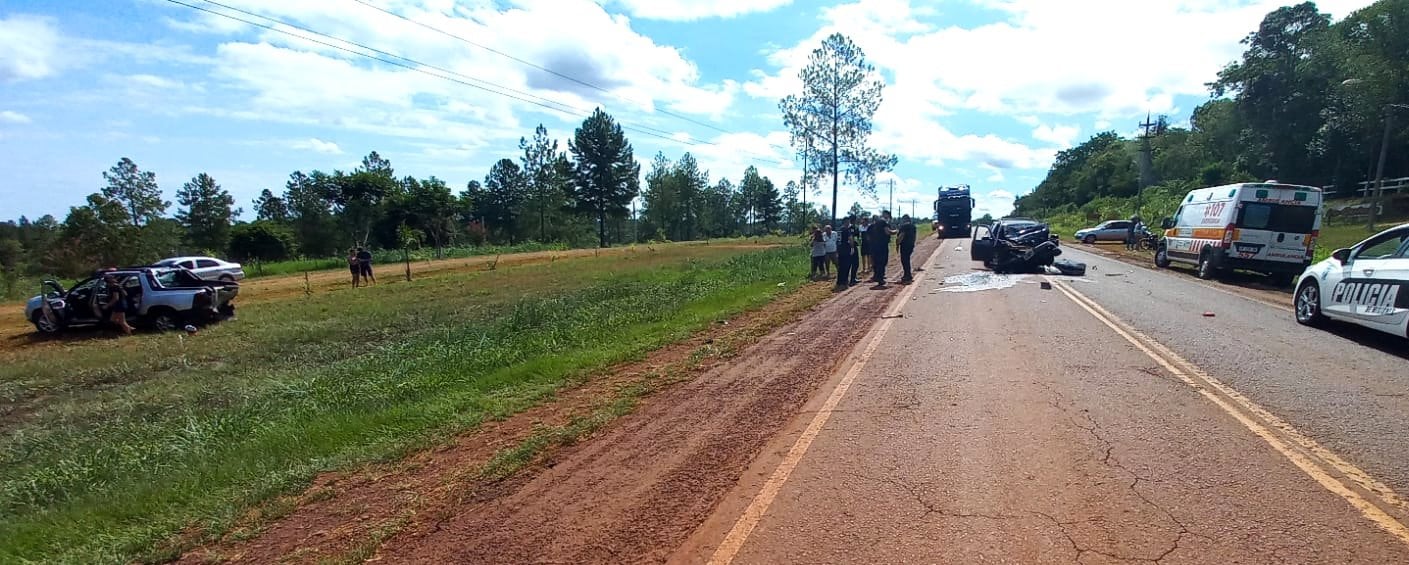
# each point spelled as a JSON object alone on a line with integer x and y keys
{"x": 635, "y": 224}
{"x": 1147, "y": 161}
{"x": 892, "y": 195}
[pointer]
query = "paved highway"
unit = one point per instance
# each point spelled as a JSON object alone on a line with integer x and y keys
{"x": 1103, "y": 420}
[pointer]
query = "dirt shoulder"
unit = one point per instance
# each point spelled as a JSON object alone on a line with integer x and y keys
{"x": 702, "y": 410}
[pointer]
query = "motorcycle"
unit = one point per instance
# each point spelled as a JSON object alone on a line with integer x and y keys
{"x": 1148, "y": 240}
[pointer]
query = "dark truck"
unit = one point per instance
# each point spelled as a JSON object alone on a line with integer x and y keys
{"x": 160, "y": 298}
{"x": 953, "y": 212}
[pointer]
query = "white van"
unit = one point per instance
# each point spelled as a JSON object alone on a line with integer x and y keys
{"x": 1266, "y": 227}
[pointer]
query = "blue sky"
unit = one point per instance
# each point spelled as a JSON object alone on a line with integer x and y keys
{"x": 982, "y": 92}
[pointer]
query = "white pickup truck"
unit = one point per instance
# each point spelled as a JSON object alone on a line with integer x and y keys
{"x": 159, "y": 298}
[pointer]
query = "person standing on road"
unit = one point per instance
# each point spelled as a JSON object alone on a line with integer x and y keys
{"x": 1130, "y": 241}
{"x": 864, "y": 243}
{"x": 364, "y": 265}
{"x": 830, "y": 238}
{"x": 905, "y": 245}
{"x": 880, "y": 231}
{"x": 117, "y": 303}
{"x": 846, "y": 256}
{"x": 819, "y": 253}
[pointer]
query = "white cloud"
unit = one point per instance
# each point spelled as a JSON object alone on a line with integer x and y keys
{"x": 997, "y": 203}
{"x": 316, "y": 145}
{"x": 13, "y": 117}
{"x": 690, "y": 10}
{"x": 1060, "y": 135}
{"x": 29, "y": 48}
{"x": 1046, "y": 59}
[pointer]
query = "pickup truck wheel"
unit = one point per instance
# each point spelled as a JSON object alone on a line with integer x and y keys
{"x": 1162, "y": 257}
{"x": 45, "y": 325}
{"x": 164, "y": 321}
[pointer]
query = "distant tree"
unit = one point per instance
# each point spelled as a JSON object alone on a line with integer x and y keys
{"x": 761, "y": 199}
{"x": 262, "y": 240}
{"x": 309, "y": 200}
{"x": 375, "y": 164}
{"x": 546, "y": 177}
{"x": 858, "y": 211}
{"x": 830, "y": 119}
{"x": 135, "y": 190}
{"x": 99, "y": 233}
{"x": 985, "y": 220}
{"x": 206, "y": 213}
{"x": 605, "y": 169}
{"x": 1280, "y": 88}
{"x": 505, "y": 188}
{"x": 660, "y": 199}
{"x": 270, "y": 207}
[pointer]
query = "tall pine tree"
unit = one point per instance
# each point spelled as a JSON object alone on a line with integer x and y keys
{"x": 206, "y": 213}
{"x": 605, "y": 169}
{"x": 136, "y": 190}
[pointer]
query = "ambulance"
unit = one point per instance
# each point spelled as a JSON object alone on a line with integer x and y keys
{"x": 1265, "y": 227}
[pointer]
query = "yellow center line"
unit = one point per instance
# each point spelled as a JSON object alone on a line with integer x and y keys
{"x": 1311, "y": 458}
{"x": 744, "y": 526}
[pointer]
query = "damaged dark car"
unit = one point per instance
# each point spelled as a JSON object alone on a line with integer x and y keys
{"x": 1020, "y": 245}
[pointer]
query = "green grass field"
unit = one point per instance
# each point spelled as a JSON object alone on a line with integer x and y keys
{"x": 112, "y": 446}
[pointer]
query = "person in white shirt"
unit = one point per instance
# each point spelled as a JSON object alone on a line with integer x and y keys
{"x": 829, "y": 237}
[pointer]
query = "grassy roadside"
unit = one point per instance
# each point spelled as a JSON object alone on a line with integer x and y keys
{"x": 128, "y": 442}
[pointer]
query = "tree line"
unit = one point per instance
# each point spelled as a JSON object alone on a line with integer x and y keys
{"x": 1306, "y": 103}
{"x": 579, "y": 196}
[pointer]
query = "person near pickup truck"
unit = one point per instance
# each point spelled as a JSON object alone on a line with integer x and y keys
{"x": 364, "y": 265}
{"x": 117, "y": 303}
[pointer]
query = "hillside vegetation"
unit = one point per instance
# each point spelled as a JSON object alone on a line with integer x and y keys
{"x": 1305, "y": 104}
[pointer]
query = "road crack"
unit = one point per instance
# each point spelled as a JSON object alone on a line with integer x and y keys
{"x": 1109, "y": 459}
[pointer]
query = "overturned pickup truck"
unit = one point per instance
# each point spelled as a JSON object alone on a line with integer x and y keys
{"x": 1020, "y": 245}
{"x": 160, "y": 298}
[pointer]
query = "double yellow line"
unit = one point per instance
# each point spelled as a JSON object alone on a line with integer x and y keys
{"x": 1371, "y": 497}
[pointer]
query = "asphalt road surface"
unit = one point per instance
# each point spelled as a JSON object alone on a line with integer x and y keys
{"x": 1106, "y": 419}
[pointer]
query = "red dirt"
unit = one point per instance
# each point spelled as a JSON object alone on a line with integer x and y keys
{"x": 632, "y": 493}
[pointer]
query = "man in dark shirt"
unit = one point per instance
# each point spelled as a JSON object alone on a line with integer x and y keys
{"x": 845, "y": 256}
{"x": 364, "y": 264}
{"x": 880, "y": 232}
{"x": 905, "y": 244}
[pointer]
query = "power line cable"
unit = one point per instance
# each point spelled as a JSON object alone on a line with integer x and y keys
{"x": 548, "y": 70}
{"x": 420, "y": 67}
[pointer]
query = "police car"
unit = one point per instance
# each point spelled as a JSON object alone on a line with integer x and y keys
{"x": 1367, "y": 285}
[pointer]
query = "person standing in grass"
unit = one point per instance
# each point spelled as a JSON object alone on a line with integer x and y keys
{"x": 819, "y": 253}
{"x": 364, "y": 265}
{"x": 354, "y": 265}
{"x": 830, "y": 238}
{"x": 905, "y": 246}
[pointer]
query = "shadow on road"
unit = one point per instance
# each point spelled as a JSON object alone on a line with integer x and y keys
{"x": 1381, "y": 341}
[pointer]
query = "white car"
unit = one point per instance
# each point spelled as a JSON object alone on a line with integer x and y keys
{"x": 1367, "y": 285}
{"x": 208, "y": 268}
